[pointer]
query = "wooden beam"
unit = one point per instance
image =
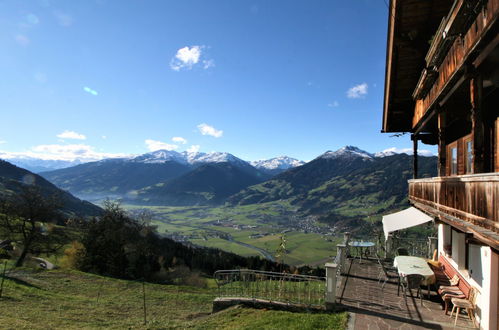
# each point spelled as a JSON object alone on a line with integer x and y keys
{"x": 442, "y": 151}
{"x": 462, "y": 225}
{"x": 478, "y": 125}
{"x": 414, "y": 138}
{"x": 456, "y": 86}
{"x": 423, "y": 121}
{"x": 486, "y": 52}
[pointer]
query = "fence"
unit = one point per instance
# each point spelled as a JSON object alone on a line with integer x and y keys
{"x": 271, "y": 286}
{"x": 415, "y": 247}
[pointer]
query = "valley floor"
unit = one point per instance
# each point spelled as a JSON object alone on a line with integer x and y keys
{"x": 248, "y": 230}
{"x": 69, "y": 299}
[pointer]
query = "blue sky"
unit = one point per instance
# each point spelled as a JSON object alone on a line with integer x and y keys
{"x": 254, "y": 78}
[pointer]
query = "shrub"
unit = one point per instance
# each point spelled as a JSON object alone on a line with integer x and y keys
{"x": 73, "y": 256}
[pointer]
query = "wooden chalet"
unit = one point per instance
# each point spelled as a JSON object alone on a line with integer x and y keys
{"x": 442, "y": 86}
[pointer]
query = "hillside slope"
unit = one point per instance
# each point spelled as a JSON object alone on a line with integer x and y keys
{"x": 113, "y": 178}
{"x": 13, "y": 178}
{"x": 341, "y": 189}
{"x": 207, "y": 184}
{"x": 98, "y": 302}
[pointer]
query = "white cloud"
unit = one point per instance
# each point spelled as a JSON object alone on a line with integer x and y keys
{"x": 208, "y": 64}
{"x": 194, "y": 148}
{"x": 334, "y": 104}
{"x": 187, "y": 57}
{"x": 408, "y": 151}
{"x": 104, "y": 137}
{"x": 68, "y": 152}
{"x": 3, "y": 141}
{"x": 63, "y": 19}
{"x": 71, "y": 135}
{"x": 154, "y": 145}
{"x": 357, "y": 91}
{"x": 206, "y": 129}
{"x": 179, "y": 139}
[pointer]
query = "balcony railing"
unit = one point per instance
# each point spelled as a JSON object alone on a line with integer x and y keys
{"x": 473, "y": 198}
{"x": 462, "y": 47}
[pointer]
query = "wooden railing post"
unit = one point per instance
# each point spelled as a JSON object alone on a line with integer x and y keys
{"x": 341, "y": 250}
{"x": 346, "y": 242}
{"x": 331, "y": 271}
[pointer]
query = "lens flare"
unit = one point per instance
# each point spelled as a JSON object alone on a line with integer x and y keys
{"x": 90, "y": 90}
{"x": 28, "y": 179}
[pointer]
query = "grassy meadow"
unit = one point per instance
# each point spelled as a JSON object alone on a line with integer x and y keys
{"x": 63, "y": 299}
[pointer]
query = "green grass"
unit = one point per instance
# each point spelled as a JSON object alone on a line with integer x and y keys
{"x": 63, "y": 299}
{"x": 226, "y": 246}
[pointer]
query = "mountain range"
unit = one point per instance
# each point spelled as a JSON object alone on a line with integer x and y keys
{"x": 321, "y": 186}
{"x": 342, "y": 187}
{"x": 166, "y": 177}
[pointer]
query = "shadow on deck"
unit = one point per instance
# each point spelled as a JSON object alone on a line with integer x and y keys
{"x": 374, "y": 308}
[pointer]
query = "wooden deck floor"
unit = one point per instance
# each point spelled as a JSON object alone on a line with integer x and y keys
{"x": 373, "y": 308}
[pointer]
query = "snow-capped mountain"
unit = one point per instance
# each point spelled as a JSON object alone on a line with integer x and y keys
{"x": 192, "y": 158}
{"x": 212, "y": 157}
{"x": 161, "y": 156}
{"x": 281, "y": 163}
{"x": 347, "y": 152}
{"x": 386, "y": 153}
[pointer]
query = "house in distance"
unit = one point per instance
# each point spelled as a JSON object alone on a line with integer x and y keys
{"x": 442, "y": 86}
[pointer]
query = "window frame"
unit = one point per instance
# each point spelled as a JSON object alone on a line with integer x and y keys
{"x": 450, "y": 147}
{"x": 468, "y": 139}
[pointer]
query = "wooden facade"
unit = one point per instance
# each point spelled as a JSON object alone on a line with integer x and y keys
{"x": 446, "y": 93}
{"x": 464, "y": 45}
{"x": 471, "y": 198}
{"x": 455, "y": 104}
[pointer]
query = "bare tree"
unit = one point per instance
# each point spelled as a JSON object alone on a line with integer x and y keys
{"x": 30, "y": 220}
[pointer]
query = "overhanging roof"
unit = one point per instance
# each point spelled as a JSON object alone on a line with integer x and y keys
{"x": 407, "y": 218}
{"x": 412, "y": 23}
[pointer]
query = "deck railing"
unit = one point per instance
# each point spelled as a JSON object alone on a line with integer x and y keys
{"x": 415, "y": 247}
{"x": 270, "y": 286}
{"x": 472, "y": 198}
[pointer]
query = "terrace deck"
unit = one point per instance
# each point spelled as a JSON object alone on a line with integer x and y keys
{"x": 373, "y": 308}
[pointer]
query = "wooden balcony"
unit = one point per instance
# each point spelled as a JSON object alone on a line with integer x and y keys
{"x": 472, "y": 201}
{"x": 462, "y": 48}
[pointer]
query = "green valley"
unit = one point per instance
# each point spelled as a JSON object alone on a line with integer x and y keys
{"x": 246, "y": 229}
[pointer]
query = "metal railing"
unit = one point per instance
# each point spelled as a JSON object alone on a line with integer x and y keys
{"x": 271, "y": 286}
{"x": 415, "y": 247}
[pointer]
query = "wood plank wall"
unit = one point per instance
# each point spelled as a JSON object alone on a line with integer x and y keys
{"x": 456, "y": 57}
{"x": 496, "y": 148}
{"x": 472, "y": 198}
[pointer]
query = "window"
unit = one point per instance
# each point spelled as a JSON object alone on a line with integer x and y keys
{"x": 453, "y": 160}
{"x": 458, "y": 249}
{"x": 475, "y": 263}
{"x": 468, "y": 154}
